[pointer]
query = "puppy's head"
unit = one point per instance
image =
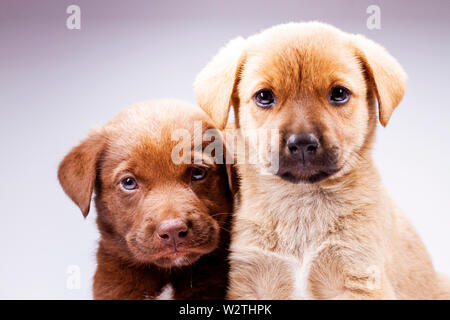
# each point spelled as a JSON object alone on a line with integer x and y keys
{"x": 313, "y": 84}
{"x": 161, "y": 193}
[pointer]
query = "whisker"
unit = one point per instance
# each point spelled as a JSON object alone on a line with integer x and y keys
{"x": 220, "y": 227}
{"x": 218, "y": 214}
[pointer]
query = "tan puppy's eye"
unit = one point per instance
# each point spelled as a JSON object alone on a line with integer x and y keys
{"x": 339, "y": 96}
{"x": 264, "y": 99}
{"x": 129, "y": 184}
{"x": 198, "y": 173}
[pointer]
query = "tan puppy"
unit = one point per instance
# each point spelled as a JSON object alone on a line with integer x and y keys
{"x": 322, "y": 226}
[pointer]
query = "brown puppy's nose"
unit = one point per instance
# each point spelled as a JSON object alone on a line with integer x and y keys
{"x": 172, "y": 232}
{"x": 303, "y": 146}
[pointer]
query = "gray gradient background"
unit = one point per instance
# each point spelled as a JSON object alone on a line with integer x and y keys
{"x": 55, "y": 84}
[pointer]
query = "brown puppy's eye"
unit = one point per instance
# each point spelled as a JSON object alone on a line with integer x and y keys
{"x": 264, "y": 99}
{"x": 129, "y": 184}
{"x": 198, "y": 173}
{"x": 339, "y": 96}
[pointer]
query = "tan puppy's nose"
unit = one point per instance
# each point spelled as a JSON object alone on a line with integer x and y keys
{"x": 172, "y": 232}
{"x": 303, "y": 146}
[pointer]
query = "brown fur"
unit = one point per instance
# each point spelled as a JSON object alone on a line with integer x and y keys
{"x": 133, "y": 263}
{"x": 338, "y": 238}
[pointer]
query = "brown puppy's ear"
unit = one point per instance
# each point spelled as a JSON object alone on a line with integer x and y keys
{"x": 386, "y": 76}
{"x": 78, "y": 170}
{"x": 215, "y": 84}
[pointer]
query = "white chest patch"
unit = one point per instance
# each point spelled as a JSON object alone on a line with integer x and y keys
{"x": 301, "y": 272}
{"x": 298, "y": 227}
{"x": 166, "y": 293}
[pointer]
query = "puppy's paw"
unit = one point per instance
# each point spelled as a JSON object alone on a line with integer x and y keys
{"x": 257, "y": 274}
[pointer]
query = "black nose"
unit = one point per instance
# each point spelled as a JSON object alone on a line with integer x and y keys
{"x": 172, "y": 232}
{"x": 303, "y": 146}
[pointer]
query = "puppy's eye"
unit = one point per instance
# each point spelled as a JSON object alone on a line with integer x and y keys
{"x": 264, "y": 99}
{"x": 339, "y": 96}
{"x": 129, "y": 184}
{"x": 198, "y": 173}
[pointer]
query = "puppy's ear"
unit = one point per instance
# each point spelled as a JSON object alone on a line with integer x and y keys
{"x": 233, "y": 180}
{"x": 229, "y": 157}
{"x": 386, "y": 76}
{"x": 215, "y": 84}
{"x": 78, "y": 170}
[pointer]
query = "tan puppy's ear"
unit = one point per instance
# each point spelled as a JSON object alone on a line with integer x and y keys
{"x": 78, "y": 170}
{"x": 215, "y": 84}
{"x": 233, "y": 179}
{"x": 230, "y": 158}
{"x": 386, "y": 76}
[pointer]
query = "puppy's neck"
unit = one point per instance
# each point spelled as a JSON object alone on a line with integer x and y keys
{"x": 286, "y": 211}
{"x": 362, "y": 178}
{"x": 117, "y": 277}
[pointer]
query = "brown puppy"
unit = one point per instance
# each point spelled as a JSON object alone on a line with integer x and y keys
{"x": 163, "y": 225}
{"x": 321, "y": 226}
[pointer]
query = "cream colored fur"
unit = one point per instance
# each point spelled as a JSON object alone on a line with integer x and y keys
{"x": 342, "y": 238}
